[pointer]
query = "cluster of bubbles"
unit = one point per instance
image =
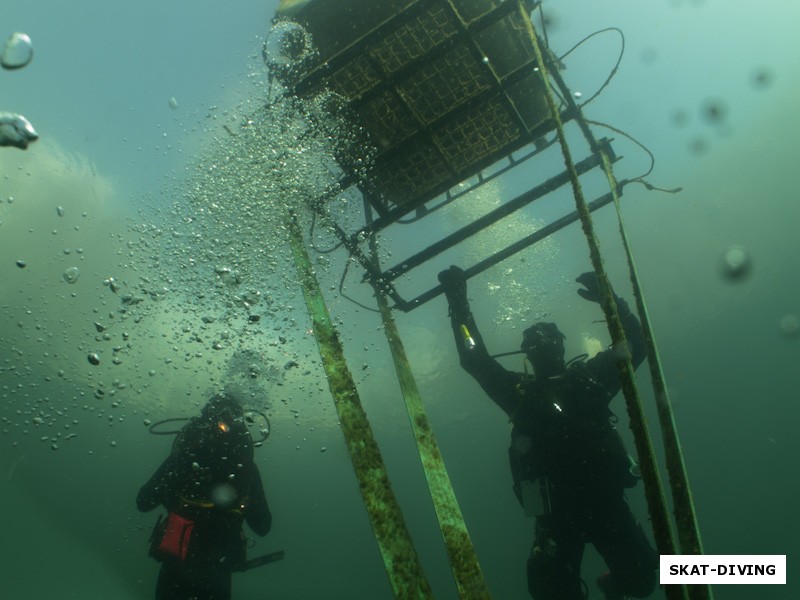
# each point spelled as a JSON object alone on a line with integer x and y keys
{"x": 15, "y": 129}
{"x": 218, "y": 259}
{"x": 715, "y": 111}
{"x": 735, "y": 266}
{"x": 287, "y": 49}
{"x": 204, "y": 294}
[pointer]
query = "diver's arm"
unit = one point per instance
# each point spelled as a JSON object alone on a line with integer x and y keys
{"x": 257, "y": 513}
{"x": 634, "y": 333}
{"x": 604, "y": 366}
{"x": 159, "y": 488}
{"x": 498, "y": 383}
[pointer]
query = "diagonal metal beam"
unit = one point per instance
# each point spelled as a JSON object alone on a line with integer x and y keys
{"x": 510, "y": 250}
{"x": 492, "y": 217}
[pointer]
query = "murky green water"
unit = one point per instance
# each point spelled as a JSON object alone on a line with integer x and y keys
{"x": 143, "y": 231}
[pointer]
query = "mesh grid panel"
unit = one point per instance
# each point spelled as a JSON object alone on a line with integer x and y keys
{"x": 354, "y": 78}
{"x": 387, "y": 119}
{"x": 481, "y": 133}
{"x": 414, "y": 39}
{"x": 406, "y": 176}
{"x": 443, "y": 84}
{"x": 438, "y": 96}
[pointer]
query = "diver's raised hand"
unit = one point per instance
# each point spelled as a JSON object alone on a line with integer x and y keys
{"x": 454, "y": 284}
{"x": 591, "y": 289}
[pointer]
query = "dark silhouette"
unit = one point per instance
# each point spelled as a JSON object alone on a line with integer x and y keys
{"x": 569, "y": 466}
{"x": 209, "y": 485}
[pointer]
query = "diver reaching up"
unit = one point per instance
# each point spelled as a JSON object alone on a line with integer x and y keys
{"x": 568, "y": 463}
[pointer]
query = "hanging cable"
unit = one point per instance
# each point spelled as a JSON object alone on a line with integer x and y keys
{"x": 345, "y": 296}
{"x": 640, "y": 178}
{"x": 635, "y": 141}
{"x": 544, "y": 25}
{"x": 311, "y": 245}
{"x": 616, "y": 66}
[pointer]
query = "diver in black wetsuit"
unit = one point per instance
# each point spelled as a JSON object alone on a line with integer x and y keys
{"x": 568, "y": 463}
{"x": 209, "y": 485}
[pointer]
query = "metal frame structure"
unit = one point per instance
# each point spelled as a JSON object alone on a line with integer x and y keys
{"x": 485, "y": 108}
{"x": 380, "y": 188}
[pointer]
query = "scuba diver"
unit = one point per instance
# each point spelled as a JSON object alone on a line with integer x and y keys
{"x": 568, "y": 463}
{"x": 209, "y": 485}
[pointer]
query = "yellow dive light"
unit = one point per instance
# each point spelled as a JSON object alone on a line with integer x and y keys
{"x": 469, "y": 342}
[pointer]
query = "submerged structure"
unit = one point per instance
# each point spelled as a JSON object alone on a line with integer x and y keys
{"x": 448, "y": 94}
{"x": 442, "y": 90}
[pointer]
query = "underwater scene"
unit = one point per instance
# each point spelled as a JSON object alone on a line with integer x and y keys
{"x": 247, "y": 247}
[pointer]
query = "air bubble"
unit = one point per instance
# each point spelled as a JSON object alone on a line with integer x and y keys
{"x": 762, "y": 78}
{"x": 714, "y": 111}
{"x": 287, "y": 45}
{"x": 71, "y": 274}
{"x": 18, "y": 51}
{"x": 735, "y": 264}
{"x": 790, "y": 325}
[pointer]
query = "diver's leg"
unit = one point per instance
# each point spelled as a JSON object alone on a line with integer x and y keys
{"x": 222, "y": 585}
{"x": 212, "y": 584}
{"x": 554, "y": 564}
{"x": 171, "y": 583}
{"x": 631, "y": 560}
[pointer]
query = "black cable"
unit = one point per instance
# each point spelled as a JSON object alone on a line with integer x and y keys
{"x": 345, "y": 296}
{"x": 152, "y": 428}
{"x": 311, "y": 238}
{"x": 544, "y": 25}
{"x": 249, "y": 421}
{"x": 634, "y": 140}
{"x": 616, "y": 66}
{"x": 640, "y": 178}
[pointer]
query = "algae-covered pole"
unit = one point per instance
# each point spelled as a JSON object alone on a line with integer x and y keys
{"x": 460, "y": 551}
{"x": 399, "y": 556}
{"x": 684, "y": 510}
{"x": 654, "y": 491}
{"x": 685, "y": 514}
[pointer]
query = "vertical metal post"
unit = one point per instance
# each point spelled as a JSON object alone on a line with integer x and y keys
{"x": 399, "y": 555}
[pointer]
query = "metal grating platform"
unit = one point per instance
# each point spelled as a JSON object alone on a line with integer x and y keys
{"x": 442, "y": 88}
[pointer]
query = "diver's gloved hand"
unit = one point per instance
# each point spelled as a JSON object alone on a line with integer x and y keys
{"x": 454, "y": 284}
{"x": 592, "y": 288}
